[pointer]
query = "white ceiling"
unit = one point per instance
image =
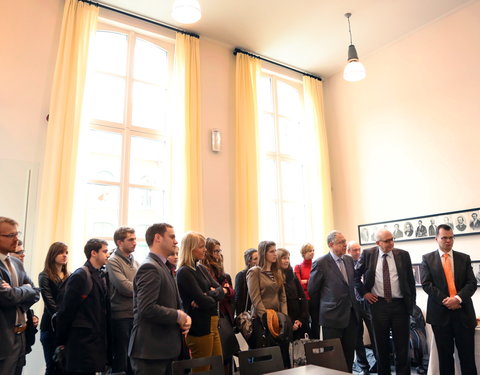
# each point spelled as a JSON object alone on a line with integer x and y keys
{"x": 311, "y": 35}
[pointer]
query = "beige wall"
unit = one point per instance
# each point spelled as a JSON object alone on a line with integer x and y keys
{"x": 404, "y": 142}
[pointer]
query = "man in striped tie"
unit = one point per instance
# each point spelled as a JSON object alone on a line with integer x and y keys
{"x": 448, "y": 279}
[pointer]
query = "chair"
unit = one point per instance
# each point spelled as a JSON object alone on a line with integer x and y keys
{"x": 260, "y": 361}
{"x": 326, "y": 353}
{"x": 186, "y": 366}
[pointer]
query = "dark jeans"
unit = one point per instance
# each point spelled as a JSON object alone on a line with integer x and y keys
{"x": 48, "y": 342}
{"x": 121, "y": 329}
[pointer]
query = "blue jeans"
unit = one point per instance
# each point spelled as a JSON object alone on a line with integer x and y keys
{"x": 48, "y": 342}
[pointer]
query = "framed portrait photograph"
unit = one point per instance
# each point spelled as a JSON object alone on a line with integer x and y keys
{"x": 416, "y": 274}
{"x": 476, "y": 270}
{"x": 463, "y": 223}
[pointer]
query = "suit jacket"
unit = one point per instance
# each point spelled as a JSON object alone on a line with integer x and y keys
{"x": 331, "y": 298}
{"x": 367, "y": 265}
{"x": 83, "y": 322}
{"x": 22, "y": 296}
{"x": 434, "y": 283}
{"x": 155, "y": 334}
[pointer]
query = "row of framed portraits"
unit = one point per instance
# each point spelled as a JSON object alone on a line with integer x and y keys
{"x": 475, "y": 266}
{"x": 465, "y": 222}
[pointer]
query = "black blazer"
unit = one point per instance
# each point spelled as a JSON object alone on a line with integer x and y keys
{"x": 241, "y": 292}
{"x": 367, "y": 265}
{"x": 331, "y": 298}
{"x": 83, "y": 323}
{"x": 49, "y": 289}
{"x": 434, "y": 283}
{"x": 194, "y": 285}
{"x": 296, "y": 301}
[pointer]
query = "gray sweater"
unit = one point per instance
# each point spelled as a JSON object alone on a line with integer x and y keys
{"x": 121, "y": 272}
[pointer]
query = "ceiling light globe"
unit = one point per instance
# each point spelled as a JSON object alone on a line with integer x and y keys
{"x": 186, "y": 11}
{"x": 354, "y": 71}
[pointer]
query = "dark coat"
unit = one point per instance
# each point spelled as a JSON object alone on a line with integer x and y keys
{"x": 296, "y": 302}
{"x": 434, "y": 283}
{"x": 156, "y": 334}
{"x": 194, "y": 285}
{"x": 10, "y": 298}
{"x": 365, "y": 274}
{"x": 49, "y": 289}
{"x": 331, "y": 298}
{"x": 241, "y": 292}
{"x": 83, "y": 322}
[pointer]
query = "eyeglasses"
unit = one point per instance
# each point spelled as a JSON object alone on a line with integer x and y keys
{"x": 20, "y": 252}
{"x": 387, "y": 240}
{"x": 12, "y": 235}
{"x": 447, "y": 238}
{"x": 217, "y": 251}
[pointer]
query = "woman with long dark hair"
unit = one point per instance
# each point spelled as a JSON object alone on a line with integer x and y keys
{"x": 214, "y": 263}
{"x": 54, "y": 274}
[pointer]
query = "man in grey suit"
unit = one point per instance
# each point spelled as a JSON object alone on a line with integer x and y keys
{"x": 332, "y": 296}
{"x": 384, "y": 278}
{"x": 158, "y": 321}
{"x": 17, "y": 294}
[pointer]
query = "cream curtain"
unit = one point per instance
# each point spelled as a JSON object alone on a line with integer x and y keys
{"x": 187, "y": 181}
{"x": 55, "y": 212}
{"x": 246, "y": 155}
{"x": 319, "y": 168}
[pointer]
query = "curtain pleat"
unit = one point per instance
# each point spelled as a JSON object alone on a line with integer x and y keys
{"x": 57, "y": 182}
{"x": 246, "y": 155}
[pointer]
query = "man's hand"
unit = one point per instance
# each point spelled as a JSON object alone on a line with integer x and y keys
{"x": 5, "y": 285}
{"x": 186, "y": 327}
{"x": 452, "y": 303}
{"x": 194, "y": 304}
{"x": 370, "y": 297}
{"x": 35, "y": 321}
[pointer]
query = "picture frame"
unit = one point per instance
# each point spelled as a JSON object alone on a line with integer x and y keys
{"x": 416, "y": 274}
{"x": 463, "y": 223}
{"x": 476, "y": 270}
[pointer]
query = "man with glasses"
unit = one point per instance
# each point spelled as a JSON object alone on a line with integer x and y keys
{"x": 17, "y": 294}
{"x": 384, "y": 277}
{"x": 332, "y": 296}
{"x": 448, "y": 279}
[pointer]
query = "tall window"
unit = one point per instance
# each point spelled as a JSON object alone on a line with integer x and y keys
{"x": 284, "y": 202}
{"x": 126, "y": 142}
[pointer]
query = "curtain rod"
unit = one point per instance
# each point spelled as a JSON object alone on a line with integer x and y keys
{"x": 139, "y": 17}
{"x": 239, "y": 50}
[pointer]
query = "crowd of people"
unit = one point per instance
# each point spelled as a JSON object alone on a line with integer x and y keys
{"x": 118, "y": 315}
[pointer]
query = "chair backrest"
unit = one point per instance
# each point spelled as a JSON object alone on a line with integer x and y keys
{"x": 214, "y": 366}
{"x": 326, "y": 353}
{"x": 260, "y": 361}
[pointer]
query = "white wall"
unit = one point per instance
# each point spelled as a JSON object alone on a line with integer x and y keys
{"x": 404, "y": 142}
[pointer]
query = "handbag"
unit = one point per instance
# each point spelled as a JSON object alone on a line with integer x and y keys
{"x": 297, "y": 351}
{"x": 244, "y": 320}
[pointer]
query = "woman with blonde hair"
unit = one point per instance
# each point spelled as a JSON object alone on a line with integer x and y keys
{"x": 54, "y": 274}
{"x": 302, "y": 270}
{"x": 266, "y": 291}
{"x": 200, "y": 294}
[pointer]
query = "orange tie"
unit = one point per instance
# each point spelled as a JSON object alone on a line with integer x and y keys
{"x": 447, "y": 268}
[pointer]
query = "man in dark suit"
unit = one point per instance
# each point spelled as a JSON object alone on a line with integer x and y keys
{"x": 421, "y": 230}
{"x": 17, "y": 294}
{"x": 448, "y": 279}
{"x": 355, "y": 250}
{"x": 83, "y": 318}
{"x": 332, "y": 296}
{"x": 475, "y": 223}
{"x": 158, "y": 321}
{"x": 384, "y": 277}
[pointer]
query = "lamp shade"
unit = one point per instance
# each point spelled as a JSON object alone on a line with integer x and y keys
{"x": 186, "y": 11}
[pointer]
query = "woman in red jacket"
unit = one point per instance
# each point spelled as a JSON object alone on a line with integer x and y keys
{"x": 302, "y": 270}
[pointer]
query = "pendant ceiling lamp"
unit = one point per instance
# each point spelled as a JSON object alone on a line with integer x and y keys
{"x": 186, "y": 11}
{"x": 354, "y": 70}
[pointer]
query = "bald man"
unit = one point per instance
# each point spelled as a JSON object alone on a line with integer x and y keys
{"x": 384, "y": 278}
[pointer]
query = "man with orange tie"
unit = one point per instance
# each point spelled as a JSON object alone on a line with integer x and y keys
{"x": 448, "y": 279}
